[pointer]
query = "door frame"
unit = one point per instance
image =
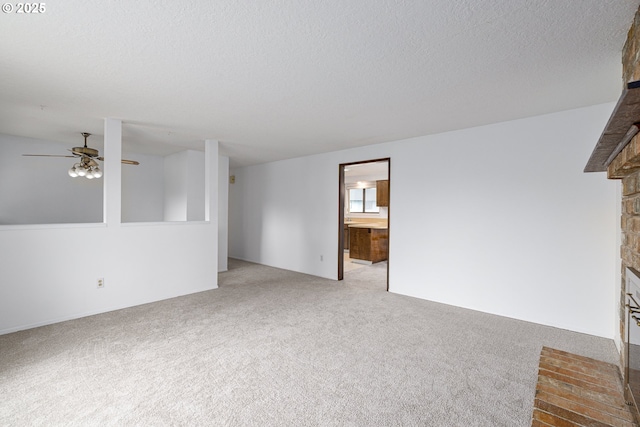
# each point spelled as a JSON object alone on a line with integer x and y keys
{"x": 341, "y": 201}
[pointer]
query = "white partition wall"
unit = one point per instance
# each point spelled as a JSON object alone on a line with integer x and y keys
{"x": 49, "y": 272}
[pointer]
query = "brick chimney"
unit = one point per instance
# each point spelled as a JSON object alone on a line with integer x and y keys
{"x": 626, "y": 166}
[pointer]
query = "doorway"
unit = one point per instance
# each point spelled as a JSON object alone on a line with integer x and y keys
{"x": 363, "y": 214}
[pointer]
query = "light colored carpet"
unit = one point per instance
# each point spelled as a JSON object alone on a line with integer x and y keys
{"x": 276, "y": 348}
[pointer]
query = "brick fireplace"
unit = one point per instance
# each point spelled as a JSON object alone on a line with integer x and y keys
{"x": 618, "y": 152}
{"x": 626, "y": 166}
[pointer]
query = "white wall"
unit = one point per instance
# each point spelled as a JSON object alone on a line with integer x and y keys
{"x": 143, "y": 189}
{"x": 175, "y": 187}
{"x": 285, "y": 214}
{"x": 498, "y": 218}
{"x": 49, "y": 272}
{"x": 184, "y": 186}
{"x": 195, "y": 185}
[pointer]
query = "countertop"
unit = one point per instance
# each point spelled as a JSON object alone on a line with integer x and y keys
{"x": 366, "y": 225}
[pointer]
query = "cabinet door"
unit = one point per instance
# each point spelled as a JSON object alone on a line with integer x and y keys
{"x": 360, "y": 243}
{"x": 379, "y": 245}
{"x": 382, "y": 193}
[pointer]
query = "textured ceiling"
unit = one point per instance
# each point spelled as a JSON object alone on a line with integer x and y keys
{"x": 276, "y": 79}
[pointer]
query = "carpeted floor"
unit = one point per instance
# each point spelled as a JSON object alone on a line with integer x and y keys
{"x": 276, "y": 348}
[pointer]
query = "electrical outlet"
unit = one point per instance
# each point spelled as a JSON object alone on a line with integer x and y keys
{"x": 100, "y": 283}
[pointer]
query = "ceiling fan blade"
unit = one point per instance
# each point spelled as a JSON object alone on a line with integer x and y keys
{"x": 124, "y": 161}
{"x": 47, "y": 155}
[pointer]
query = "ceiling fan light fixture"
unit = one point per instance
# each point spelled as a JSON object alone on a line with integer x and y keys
{"x": 86, "y": 168}
{"x": 87, "y": 157}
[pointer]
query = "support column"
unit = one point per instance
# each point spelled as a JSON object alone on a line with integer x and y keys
{"x": 211, "y": 147}
{"x": 211, "y": 156}
{"x": 112, "y": 172}
{"x": 223, "y": 212}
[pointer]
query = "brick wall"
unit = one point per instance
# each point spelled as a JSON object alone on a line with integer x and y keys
{"x": 626, "y": 166}
{"x": 630, "y": 69}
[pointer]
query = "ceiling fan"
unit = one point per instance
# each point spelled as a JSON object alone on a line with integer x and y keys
{"x": 87, "y": 165}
